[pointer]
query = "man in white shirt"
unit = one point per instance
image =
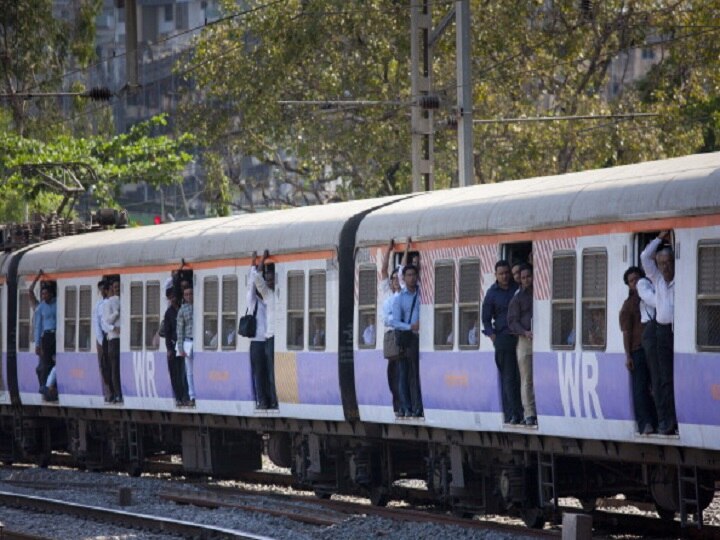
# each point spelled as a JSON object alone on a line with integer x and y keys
{"x": 261, "y": 292}
{"x": 111, "y": 326}
{"x": 659, "y": 265}
{"x": 101, "y": 346}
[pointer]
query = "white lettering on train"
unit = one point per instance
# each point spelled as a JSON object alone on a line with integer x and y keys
{"x": 578, "y": 376}
{"x": 144, "y": 368}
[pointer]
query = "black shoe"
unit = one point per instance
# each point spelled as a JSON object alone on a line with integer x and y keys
{"x": 531, "y": 421}
{"x": 118, "y": 399}
{"x": 514, "y": 421}
{"x": 418, "y": 413}
{"x": 191, "y": 402}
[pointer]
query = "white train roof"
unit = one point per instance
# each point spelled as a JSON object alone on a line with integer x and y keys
{"x": 299, "y": 229}
{"x": 673, "y": 187}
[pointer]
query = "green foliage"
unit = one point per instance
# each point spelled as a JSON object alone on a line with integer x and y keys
{"x": 217, "y": 184}
{"x": 530, "y": 58}
{"x": 135, "y": 156}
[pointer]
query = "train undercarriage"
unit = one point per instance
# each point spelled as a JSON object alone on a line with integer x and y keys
{"x": 464, "y": 473}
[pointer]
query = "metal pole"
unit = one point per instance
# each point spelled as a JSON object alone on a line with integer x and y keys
{"x": 421, "y": 120}
{"x": 131, "y": 41}
{"x": 466, "y": 172}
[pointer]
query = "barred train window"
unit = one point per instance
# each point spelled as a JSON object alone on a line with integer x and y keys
{"x": 229, "y": 311}
{"x": 367, "y": 304}
{"x": 70, "y": 317}
{"x": 136, "y": 315}
{"x": 708, "y": 297}
{"x": 295, "y": 310}
{"x": 594, "y": 298}
{"x": 84, "y": 315}
{"x": 444, "y": 303}
{"x": 24, "y": 328}
{"x": 210, "y": 313}
{"x": 469, "y": 298}
{"x": 563, "y": 301}
{"x": 316, "y": 326}
{"x": 152, "y": 313}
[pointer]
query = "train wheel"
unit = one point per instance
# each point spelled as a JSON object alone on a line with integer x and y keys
{"x": 379, "y": 496}
{"x": 134, "y": 469}
{"x": 534, "y": 518}
{"x": 321, "y": 494}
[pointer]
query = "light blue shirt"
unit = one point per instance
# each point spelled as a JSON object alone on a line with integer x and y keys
{"x": 45, "y": 319}
{"x": 402, "y": 319}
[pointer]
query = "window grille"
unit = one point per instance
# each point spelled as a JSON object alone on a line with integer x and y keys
{"x": 70, "y": 317}
{"x": 84, "y": 318}
{"x": 316, "y": 328}
{"x": 295, "y": 310}
{"x": 136, "y": 315}
{"x": 563, "y": 301}
{"x": 210, "y": 313}
{"x": 594, "y": 299}
{"x": 469, "y": 297}
{"x": 24, "y": 326}
{"x": 708, "y": 296}
{"x": 367, "y": 306}
{"x": 229, "y": 311}
{"x": 444, "y": 304}
{"x": 152, "y": 313}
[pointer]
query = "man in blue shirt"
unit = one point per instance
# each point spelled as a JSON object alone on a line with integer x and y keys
{"x": 406, "y": 317}
{"x": 45, "y": 324}
{"x": 495, "y": 326}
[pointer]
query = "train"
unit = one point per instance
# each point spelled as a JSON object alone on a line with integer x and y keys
{"x": 335, "y": 426}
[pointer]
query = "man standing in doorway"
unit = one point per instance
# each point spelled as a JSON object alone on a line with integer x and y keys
{"x": 495, "y": 326}
{"x": 111, "y": 327}
{"x": 659, "y": 265}
{"x": 406, "y": 318}
{"x": 520, "y": 312}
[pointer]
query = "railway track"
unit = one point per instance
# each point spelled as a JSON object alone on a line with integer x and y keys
{"x": 123, "y": 518}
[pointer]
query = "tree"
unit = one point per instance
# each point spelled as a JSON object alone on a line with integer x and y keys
{"x": 530, "y": 58}
{"x": 35, "y": 49}
{"x": 135, "y": 156}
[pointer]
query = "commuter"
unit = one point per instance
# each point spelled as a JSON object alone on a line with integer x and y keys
{"x": 184, "y": 343}
{"x": 515, "y": 271}
{"x": 406, "y": 318}
{"x": 520, "y": 312}
{"x": 176, "y": 365}
{"x": 368, "y": 334}
{"x": 389, "y": 289}
{"x": 45, "y": 326}
{"x": 111, "y": 326}
{"x": 635, "y": 360}
{"x": 494, "y": 319}
{"x": 472, "y": 337}
{"x": 261, "y": 293}
{"x": 659, "y": 265}
{"x": 100, "y": 341}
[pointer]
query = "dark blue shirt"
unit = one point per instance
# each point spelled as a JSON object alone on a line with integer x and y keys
{"x": 495, "y": 309}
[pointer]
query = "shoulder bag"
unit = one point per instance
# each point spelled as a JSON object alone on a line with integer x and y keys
{"x": 248, "y": 323}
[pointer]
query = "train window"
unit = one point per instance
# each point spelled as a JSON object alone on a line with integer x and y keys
{"x": 594, "y": 298}
{"x": 84, "y": 315}
{"x": 367, "y": 305}
{"x": 70, "y": 317}
{"x": 24, "y": 328}
{"x": 316, "y": 328}
{"x": 152, "y": 314}
{"x": 708, "y": 297}
{"x": 210, "y": 313}
{"x": 563, "y": 301}
{"x": 444, "y": 304}
{"x": 229, "y": 311}
{"x": 295, "y": 310}
{"x": 469, "y": 299}
{"x": 136, "y": 315}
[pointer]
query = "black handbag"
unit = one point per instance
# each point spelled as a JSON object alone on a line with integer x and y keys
{"x": 248, "y": 323}
{"x": 404, "y": 338}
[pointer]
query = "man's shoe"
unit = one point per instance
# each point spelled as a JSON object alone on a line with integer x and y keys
{"x": 191, "y": 402}
{"x": 648, "y": 429}
{"x": 531, "y": 421}
{"x": 514, "y": 421}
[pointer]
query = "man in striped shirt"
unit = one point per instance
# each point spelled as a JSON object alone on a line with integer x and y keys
{"x": 185, "y": 340}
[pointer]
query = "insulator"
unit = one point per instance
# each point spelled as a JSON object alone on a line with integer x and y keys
{"x": 429, "y": 102}
{"x": 99, "y": 94}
